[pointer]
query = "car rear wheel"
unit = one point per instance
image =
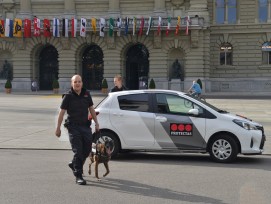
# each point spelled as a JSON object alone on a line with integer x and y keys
{"x": 223, "y": 149}
{"x": 112, "y": 141}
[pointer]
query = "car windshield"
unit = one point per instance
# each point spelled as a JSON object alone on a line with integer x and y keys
{"x": 208, "y": 104}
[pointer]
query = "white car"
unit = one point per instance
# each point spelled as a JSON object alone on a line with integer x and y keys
{"x": 158, "y": 120}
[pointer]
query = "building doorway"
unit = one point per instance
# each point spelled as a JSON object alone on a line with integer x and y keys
{"x": 137, "y": 67}
{"x": 48, "y": 67}
{"x": 93, "y": 67}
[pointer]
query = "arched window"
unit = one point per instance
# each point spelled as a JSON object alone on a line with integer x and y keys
{"x": 266, "y": 53}
{"x": 225, "y": 11}
{"x": 226, "y": 54}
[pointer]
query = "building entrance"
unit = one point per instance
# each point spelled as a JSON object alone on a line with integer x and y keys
{"x": 48, "y": 67}
{"x": 93, "y": 67}
{"x": 137, "y": 67}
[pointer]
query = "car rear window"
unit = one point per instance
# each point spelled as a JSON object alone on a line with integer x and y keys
{"x": 134, "y": 102}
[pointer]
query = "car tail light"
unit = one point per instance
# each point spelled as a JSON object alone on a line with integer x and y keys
{"x": 90, "y": 116}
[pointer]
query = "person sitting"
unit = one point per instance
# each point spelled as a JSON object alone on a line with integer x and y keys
{"x": 195, "y": 89}
{"x": 118, "y": 84}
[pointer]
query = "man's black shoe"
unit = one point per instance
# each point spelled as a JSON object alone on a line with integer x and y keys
{"x": 71, "y": 166}
{"x": 80, "y": 181}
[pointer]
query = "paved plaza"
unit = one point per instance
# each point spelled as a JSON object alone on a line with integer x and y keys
{"x": 28, "y": 119}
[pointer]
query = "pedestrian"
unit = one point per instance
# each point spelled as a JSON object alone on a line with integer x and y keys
{"x": 195, "y": 89}
{"x": 78, "y": 103}
{"x": 118, "y": 84}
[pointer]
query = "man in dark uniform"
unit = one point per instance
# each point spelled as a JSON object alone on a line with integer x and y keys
{"x": 78, "y": 103}
{"x": 118, "y": 84}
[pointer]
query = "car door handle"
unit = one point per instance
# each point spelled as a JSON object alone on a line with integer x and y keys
{"x": 161, "y": 119}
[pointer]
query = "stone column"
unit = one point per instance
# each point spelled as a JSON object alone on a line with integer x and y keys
{"x": 199, "y": 7}
{"x": 160, "y": 8}
{"x": 25, "y": 9}
{"x": 69, "y": 12}
{"x": 114, "y": 8}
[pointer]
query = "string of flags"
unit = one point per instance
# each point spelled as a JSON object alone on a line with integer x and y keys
{"x": 69, "y": 28}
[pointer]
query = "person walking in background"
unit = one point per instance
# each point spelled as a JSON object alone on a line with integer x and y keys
{"x": 118, "y": 84}
{"x": 78, "y": 104}
{"x": 195, "y": 89}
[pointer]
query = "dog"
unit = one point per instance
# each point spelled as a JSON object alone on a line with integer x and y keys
{"x": 102, "y": 155}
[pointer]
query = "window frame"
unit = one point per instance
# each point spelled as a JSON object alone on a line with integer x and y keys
{"x": 224, "y": 49}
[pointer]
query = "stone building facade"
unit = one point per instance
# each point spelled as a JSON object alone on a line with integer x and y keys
{"x": 226, "y": 45}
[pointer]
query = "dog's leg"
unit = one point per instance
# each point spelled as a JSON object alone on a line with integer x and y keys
{"x": 91, "y": 162}
{"x": 96, "y": 170}
{"x": 107, "y": 169}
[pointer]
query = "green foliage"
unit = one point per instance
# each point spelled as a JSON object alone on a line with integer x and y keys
{"x": 55, "y": 84}
{"x": 8, "y": 84}
{"x": 104, "y": 84}
{"x": 200, "y": 83}
{"x": 152, "y": 84}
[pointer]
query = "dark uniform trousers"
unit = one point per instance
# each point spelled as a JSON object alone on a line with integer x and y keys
{"x": 81, "y": 139}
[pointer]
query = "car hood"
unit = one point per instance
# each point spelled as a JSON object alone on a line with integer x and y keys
{"x": 240, "y": 117}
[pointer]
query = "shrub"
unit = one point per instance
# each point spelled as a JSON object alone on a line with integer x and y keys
{"x": 8, "y": 84}
{"x": 152, "y": 84}
{"x": 55, "y": 84}
{"x": 104, "y": 84}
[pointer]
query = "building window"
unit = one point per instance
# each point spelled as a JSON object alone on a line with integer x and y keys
{"x": 226, "y": 54}
{"x": 263, "y": 10}
{"x": 266, "y": 53}
{"x": 225, "y": 11}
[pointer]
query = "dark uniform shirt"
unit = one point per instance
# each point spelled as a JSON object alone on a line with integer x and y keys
{"x": 115, "y": 89}
{"x": 77, "y": 106}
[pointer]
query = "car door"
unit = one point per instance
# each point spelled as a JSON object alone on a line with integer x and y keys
{"x": 174, "y": 126}
{"x": 133, "y": 121}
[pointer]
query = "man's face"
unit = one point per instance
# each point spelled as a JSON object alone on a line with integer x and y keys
{"x": 77, "y": 83}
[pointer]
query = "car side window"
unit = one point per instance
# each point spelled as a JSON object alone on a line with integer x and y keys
{"x": 173, "y": 104}
{"x": 134, "y": 102}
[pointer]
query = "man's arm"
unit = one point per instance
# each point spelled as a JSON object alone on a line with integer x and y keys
{"x": 94, "y": 117}
{"x": 59, "y": 122}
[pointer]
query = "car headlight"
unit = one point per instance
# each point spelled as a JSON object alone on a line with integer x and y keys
{"x": 245, "y": 124}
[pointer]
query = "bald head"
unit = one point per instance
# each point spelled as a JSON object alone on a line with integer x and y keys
{"x": 76, "y": 83}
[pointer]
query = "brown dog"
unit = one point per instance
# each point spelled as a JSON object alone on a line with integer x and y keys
{"x": 102, "y": 155}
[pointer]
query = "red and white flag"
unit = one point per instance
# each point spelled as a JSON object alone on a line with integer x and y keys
{"x": 159, "y": 25}
{"x": 27, "y": 28}
{"x": 141, "y": 26}
{"x": 83, "y": 27}
{"x": 46, "y": 28}
{"x": 36, "y": 27}
{"x": 187, "y": 25}
{"x": 74, "y": 28}
{"x": 168, "y": 25}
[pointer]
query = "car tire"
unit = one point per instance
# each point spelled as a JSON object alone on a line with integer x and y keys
{"x": 111, "y": 137}
{"x": 223, "y": 149}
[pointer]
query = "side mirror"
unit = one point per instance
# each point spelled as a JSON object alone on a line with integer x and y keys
{"x": 193, "y": 112}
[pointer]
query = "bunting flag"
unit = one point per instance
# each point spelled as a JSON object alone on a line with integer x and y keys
{"x": 149, "y": 25}
{"x": 134, "y": 25}
{"x": 2, "y": 28}
{"x": 141, "y": 26}
{"x": 93, "y": 24}
{"x": 187, "y": 25}
{"x": 83, "y": 27}
{"x": 36, "y": 27}
{"x": 178, "y": 25}
{"x": 46, "y": 28}
{"x": 65, "y": 27}
{"x": 111, "y": 27}
{"x": 9, "y": 28}
{"x": 126, "y": 25}
{"x": 102, "y": 24}
{"x": 56, "y": 32}
{"x": 74, "y": 27}
{"x": 159, "y": 25}
{"x": 119, "y": 26}
{"x": 168, "y": 25}
{"x": 17, "y": 28}
{"x": 27, "y": 28}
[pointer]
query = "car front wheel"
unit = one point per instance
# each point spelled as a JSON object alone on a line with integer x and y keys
{"x": 223, "y": 149}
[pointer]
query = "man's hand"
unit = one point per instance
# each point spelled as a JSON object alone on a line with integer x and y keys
{"x": 58, "y": 132}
